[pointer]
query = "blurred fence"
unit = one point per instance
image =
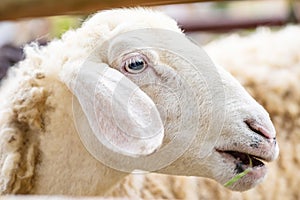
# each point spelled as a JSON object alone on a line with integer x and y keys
{"x": 187, "y": 16}
{"x": 13, "y": 9}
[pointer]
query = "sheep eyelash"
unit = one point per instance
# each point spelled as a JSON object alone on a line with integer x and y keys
{"x": 133, "y": 57}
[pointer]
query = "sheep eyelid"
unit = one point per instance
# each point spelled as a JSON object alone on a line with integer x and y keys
{"x": 134, "y": 58}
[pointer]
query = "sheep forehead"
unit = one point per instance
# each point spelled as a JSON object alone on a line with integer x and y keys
{"x": 131, "y": 19}
{"x": 107, "y": 24}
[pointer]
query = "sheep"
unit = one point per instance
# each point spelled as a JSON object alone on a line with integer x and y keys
{"x": 50, "y": 145}
{"x": 9, "y": 55}
{"x": 267, "y": 64}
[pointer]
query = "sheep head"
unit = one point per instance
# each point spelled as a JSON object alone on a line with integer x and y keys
{"x": 148, "y": 98}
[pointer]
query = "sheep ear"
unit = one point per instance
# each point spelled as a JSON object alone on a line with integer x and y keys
{"x": 120, "y": 114}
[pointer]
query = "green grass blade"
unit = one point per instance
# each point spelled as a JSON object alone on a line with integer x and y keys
{"x": 237, "y": 177}
{"x": 240, "y": 175}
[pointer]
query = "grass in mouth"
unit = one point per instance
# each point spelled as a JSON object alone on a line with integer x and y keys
{"x": 240, "y": 175}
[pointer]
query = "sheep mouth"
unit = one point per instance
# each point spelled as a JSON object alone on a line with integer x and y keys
{"x": 243, "y": 161}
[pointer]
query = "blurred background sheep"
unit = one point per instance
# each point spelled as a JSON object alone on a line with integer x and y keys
{"x": 266, "y": 62}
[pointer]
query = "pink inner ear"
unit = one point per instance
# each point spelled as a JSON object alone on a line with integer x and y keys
{"x": 120, "y": 114}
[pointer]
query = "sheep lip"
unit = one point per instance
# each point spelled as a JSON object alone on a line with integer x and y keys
{"x": 242, "y": 160}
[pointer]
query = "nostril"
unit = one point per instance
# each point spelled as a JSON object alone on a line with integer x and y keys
{"x": 257, "y": 128}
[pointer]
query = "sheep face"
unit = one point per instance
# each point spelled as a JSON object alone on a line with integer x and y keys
{"x": 154, "y": 101}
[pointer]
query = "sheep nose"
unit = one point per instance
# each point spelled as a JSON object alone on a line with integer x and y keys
{"x": 256, "y": 127}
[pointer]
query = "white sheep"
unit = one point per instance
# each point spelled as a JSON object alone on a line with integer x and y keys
{"x": 41, "y": 151}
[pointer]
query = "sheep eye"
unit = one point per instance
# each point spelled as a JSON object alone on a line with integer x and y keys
{"x": 135, "y": 64}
